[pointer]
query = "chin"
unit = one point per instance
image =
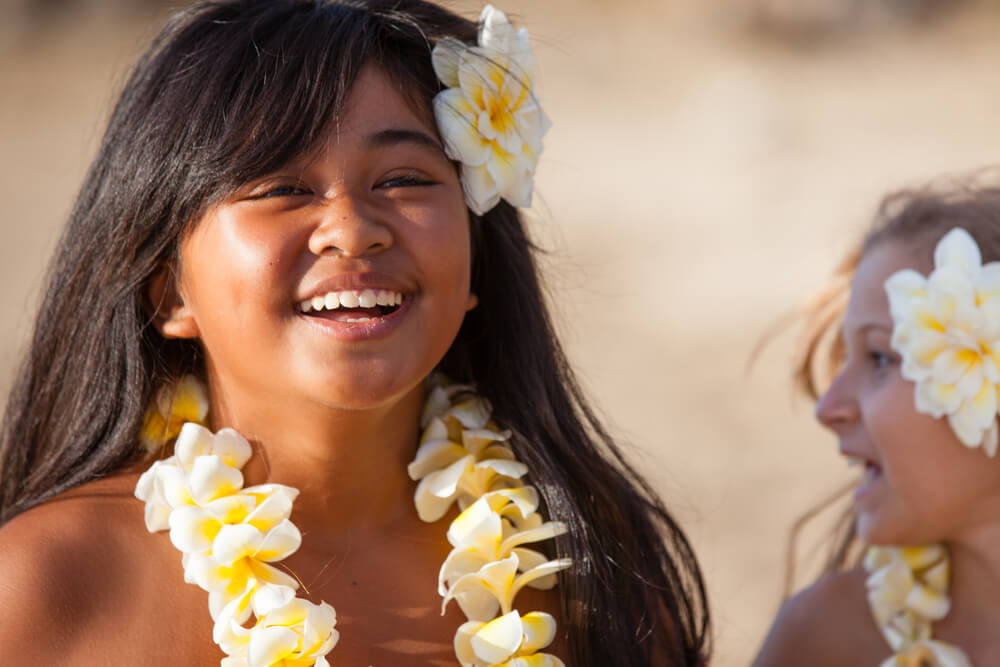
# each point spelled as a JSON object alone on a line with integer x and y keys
{"x": 365, "y": 390}
{"x": 881, "y": 530}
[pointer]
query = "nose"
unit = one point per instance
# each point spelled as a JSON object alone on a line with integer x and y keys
{"x": 838, "y": 406}
{"x": 351, "y": 227}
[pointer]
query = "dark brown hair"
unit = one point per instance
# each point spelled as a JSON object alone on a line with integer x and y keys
{"x": 917, "y": 218}
{"x": 234, "y": 90}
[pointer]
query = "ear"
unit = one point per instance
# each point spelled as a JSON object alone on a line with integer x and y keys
{"x": 170, "y": 316}
{"x": 473, "y": 302}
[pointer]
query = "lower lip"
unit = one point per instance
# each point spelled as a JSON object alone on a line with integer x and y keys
{"x": 868, "y": 484}
{"x": 356, "y": 332}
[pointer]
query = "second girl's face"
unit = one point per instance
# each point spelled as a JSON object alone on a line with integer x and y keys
{"x": 920, "y": 483}
{"x": 371, "y": 231}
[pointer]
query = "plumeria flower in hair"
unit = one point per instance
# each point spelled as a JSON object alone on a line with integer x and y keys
{"x": 488, "y": 115}
{"x": 947, "y": 331}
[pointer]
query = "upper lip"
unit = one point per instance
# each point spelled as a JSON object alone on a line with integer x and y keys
{"x": 372, "y": 280}
{"x": 849, "y": 453}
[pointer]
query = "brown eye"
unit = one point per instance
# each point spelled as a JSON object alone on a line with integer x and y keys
{"x": 881, "y": 359}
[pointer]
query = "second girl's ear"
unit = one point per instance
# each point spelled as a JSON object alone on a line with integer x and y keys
{"x": 473, "y": 301}
{"x": 171, "y": 317}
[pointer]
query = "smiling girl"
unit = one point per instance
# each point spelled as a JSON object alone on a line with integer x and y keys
{"x": 914, "y": 403}
{"x": 299, "y": 234}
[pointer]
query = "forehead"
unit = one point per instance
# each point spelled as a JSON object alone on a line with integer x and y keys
{"x": 869, "y": 302}
{"x": 375, "y": 102}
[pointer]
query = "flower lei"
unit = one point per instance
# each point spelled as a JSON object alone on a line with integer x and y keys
{"x": 947, "y": 331}
{"x": 488, "y": 115}
{"x": 907, "y": 592}
{"x": 231, "y": 535}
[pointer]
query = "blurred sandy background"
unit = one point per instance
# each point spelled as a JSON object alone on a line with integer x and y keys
{"x": 709, "y": 163}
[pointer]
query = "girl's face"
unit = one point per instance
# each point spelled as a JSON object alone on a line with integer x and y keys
{"x": 374, "y": 223}
{"x": 920, "y": 483}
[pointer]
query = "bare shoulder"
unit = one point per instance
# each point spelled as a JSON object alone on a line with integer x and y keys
{"x": 828, "y": 623}
{"x": 76, "y": 570}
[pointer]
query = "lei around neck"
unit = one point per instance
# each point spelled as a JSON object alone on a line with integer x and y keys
{"x": 232, "y": 536}
{"x": 907, "y": 592}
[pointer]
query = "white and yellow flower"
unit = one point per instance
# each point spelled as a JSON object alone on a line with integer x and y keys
{"x": 462, "y": 456}
{"x": 173, "y": 406}
{"x": 947, "y": 331}
{"x": 508, "y": 641}
{"x": 289, "y": 632}
{"x": 482, "y": 534}
{"x": 229, "y": 536}
{"x": 488, "y": 116}
{"x": 907, "y": 592}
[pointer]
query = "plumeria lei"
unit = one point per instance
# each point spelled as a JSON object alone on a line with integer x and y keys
{"x": 464, "y": 458}
{"x": 230, "y": 536}
{"x": 947, "y": 330}
{"x": 488, "y": 115}
{"x": 907, "y": 592}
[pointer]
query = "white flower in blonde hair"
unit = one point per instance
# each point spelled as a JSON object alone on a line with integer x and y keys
{"x": 947, "y": 330}
{"x": 489, "y": 117}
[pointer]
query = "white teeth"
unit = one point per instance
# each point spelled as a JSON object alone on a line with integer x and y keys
{"x": 368, "y": 298}
{"x": 349, "y": 299}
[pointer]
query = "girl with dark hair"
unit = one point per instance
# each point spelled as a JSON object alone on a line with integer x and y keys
{"x": 298, "y": 234}
{"x": 905, "y": 343}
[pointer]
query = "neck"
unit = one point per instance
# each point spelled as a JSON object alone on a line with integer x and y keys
{"x": 348, "y": 464}
{"x": 975, "y": 586}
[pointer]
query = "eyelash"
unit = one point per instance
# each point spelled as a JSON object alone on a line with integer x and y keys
{"x": 407, "y": 181}
{"x": 280, "y": 191}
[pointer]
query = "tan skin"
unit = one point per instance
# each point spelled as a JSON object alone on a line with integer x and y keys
{"x": 85, "y": 584}
{"x": 927, "y": 487}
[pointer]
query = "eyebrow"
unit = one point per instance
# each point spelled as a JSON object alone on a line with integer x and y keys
{"x": 392, "y": 137}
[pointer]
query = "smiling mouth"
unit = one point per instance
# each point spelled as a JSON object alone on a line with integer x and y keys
{"x": 353, "y": 306}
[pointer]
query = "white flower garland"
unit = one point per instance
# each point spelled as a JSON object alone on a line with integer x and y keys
{"x": 947, "y": 330}
{"x": 463, "y": 458}
{"x": 907, "y": 592}
{"x": 488, "y": 115}
{"x": 231, "y": 535}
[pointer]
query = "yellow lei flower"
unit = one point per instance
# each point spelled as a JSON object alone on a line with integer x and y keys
{"x": 230, "y": 536}
{"x": 175, "y": 405}
{"x": 907, "y": 592}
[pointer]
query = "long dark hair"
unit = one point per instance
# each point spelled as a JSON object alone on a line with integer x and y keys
{"x": 234, "y": 90}
{"x": 917, "y": 218}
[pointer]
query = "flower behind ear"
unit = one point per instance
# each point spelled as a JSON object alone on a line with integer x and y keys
{"x": 489, "y": 117}
{"x": 947, "y": 331}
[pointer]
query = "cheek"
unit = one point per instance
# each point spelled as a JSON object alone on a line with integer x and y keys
{"x": 236, "y": 273}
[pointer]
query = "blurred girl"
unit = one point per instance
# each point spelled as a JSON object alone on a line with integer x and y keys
{"x": 914, "y": 403}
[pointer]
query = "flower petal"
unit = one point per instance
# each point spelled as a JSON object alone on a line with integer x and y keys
{"x": 271, "y": 644}
{"x": 958, "y": 249}
{"x": 498, "y": 640}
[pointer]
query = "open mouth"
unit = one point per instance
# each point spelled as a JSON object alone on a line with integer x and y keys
{"x": 872, "y": 470}
{"x": 353, "y": 306}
